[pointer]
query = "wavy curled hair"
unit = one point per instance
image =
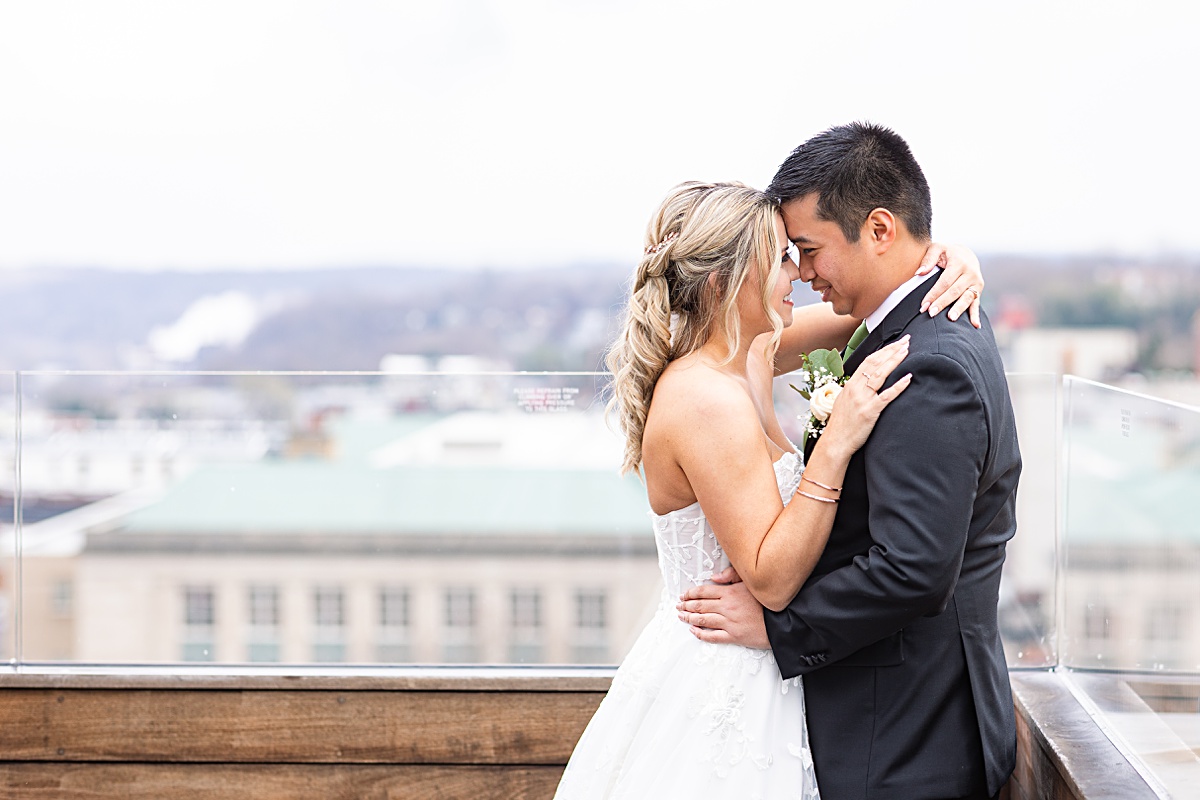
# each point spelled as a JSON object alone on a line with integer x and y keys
{"x": 684, "y": 292}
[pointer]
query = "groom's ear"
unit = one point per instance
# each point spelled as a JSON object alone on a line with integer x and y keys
{"x": 881, "y": 228}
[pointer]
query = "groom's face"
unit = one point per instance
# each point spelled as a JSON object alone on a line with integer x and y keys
{"x": 836, "y": 269}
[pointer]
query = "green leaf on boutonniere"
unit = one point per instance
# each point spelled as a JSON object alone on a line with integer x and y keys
{"x": 828, "y": 360}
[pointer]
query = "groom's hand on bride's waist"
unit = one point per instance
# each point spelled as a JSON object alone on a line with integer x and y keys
{"x": 724, "y": 612}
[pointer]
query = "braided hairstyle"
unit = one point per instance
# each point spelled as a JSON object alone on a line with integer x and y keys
{"x": 702, "y": 244}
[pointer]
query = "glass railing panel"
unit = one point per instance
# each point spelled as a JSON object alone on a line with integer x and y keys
{"x": 1153, "y": 718}
{"x": 9, "y": 540}
{"x": 178, "y": 518}
{"x": 1027, "y": 590}
{"x": 1131, "y": 539}
{"x": 1130, "y": 561}
{"x": 329, "y": 519}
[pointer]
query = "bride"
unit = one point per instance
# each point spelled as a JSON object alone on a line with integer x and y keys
{"x": 706, "y": 330}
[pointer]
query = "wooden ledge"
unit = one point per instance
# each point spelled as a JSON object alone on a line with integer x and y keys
{"x": 302, "y": 678}
{"x": 1061, "y": 751}
{"x": 142, "y": 733}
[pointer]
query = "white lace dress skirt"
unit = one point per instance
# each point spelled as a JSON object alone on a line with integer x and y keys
{"x": 688, "y": 719}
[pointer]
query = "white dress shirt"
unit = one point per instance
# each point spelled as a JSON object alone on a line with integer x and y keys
{"x": 902, "y": 291}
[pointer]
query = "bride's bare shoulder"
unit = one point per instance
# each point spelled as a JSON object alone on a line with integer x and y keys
{"x": 694, "y": 392}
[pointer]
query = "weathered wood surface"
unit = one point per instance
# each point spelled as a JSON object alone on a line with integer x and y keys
{"x": 391, "y": 734}
{"x": 293, "y": 726}
{"x": 419, "y": 734}
{"x": 1062, "y": 754}
{"x": 26, "y": 781}
{"x": 392, "y": 679}
{"x": 1036, "y": 777}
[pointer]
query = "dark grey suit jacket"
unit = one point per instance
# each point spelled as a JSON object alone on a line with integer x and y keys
{"x": 895, "y": 632}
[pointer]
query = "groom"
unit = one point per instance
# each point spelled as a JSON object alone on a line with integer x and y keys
{"x": 895, "y": 632}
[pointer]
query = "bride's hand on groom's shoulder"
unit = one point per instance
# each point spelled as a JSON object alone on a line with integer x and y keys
{"x": 858, "y": 406}
{"x": 724, "y": 612}
{"x": 960, "y": 284}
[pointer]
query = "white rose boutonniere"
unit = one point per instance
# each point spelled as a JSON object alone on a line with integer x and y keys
{"x": 823, "y": 378}
{"x": 821, "y": 401}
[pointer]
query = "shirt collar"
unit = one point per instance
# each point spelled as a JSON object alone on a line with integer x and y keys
{"x": 902, "y": 291}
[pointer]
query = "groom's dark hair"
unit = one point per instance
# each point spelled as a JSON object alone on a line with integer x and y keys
{"x": 855, "y": 169}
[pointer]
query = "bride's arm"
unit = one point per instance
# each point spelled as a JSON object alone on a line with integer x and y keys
{"x": 772, "y": 547}
{"x": 813, "y": 327}
{"x": 817, "y": 326}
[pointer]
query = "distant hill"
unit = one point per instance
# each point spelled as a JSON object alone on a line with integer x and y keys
{"x": 335, "y": 319}
{"x": 349, "y": 318}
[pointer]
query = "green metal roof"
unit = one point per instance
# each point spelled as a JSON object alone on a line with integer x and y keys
{"x": 291, "y": 497}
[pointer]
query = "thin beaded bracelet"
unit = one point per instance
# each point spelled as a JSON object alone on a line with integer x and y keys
{"x": 815, "y": 497}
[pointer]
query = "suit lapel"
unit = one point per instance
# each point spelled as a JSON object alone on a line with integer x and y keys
{"x": 892, "y": 327}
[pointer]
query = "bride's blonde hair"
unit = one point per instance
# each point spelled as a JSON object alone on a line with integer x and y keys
{"x": 701, "y": 245}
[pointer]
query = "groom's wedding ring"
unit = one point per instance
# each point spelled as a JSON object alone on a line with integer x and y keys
{"x": 973, "y": 291}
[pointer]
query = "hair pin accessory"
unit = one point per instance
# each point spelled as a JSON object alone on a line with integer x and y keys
{"x": 670, "y": 237}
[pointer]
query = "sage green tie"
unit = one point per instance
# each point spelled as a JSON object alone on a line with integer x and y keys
{"x": 860, "y": 333}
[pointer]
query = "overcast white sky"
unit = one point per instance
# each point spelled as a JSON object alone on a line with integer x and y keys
{"x": 291, "y": 133}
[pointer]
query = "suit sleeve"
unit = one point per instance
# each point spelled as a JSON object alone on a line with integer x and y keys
{"x": 923, "y": 464}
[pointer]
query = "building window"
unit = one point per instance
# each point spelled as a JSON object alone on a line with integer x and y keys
{"x": 590, "y": 606}
{"x": 329, "y": 607}
{"x": 329, "y": 624}
{"x": 459, "y": 632}
{"x": 394, "y": 637}
{"x": 1097, "y": 622}
{"x": 264, "y": 606}
{"x": 199, "y": 622}
{"x": 590, "y": 644}
{"x": 525, "y": 643}
{"x": 262, "y": 643}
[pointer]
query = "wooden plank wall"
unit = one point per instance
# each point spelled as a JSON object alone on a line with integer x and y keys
{"x": 256, "y": 738}
{"x": 434, "y": 733}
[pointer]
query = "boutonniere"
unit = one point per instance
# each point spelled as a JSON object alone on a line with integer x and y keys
{"x": 823, "y": 377}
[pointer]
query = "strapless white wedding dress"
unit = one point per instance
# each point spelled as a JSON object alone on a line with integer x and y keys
{"x": 688, "y": 719}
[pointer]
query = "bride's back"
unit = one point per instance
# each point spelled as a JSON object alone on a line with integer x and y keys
{"x": 686, "y": 397}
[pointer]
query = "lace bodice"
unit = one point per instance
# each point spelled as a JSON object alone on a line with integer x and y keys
{"x": 688, "y": 552}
